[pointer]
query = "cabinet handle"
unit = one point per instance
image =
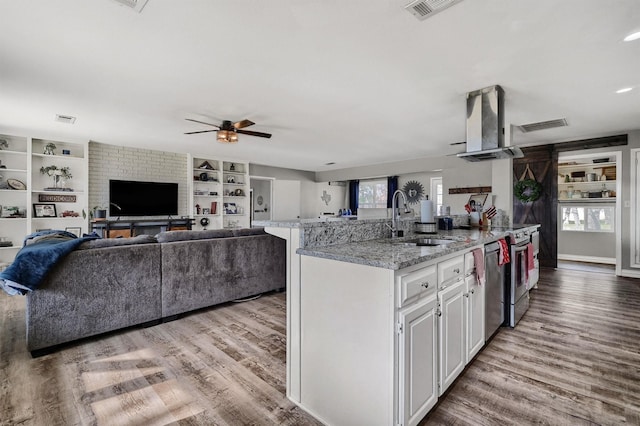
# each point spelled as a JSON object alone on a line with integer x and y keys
{"x": 472, "y": 291}
{"x": 425, "y": 284}
{"x": 457, "y": 270}
{"x": 466, "y": 294}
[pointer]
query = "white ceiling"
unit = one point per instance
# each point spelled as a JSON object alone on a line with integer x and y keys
{"x": 347, "y": 81}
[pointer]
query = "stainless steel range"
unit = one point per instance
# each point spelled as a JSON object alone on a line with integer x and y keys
{"x": 516, "y": 288}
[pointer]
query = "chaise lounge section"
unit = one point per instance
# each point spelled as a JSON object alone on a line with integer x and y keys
{"x": 205, "y": 268}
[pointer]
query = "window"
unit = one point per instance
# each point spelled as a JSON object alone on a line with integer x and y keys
{"x": 436, "y": 193}
{"x": 372, "y": 194}
{"x": 587, "y": 219}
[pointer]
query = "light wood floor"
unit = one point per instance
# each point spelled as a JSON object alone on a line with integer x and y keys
{"x": 224, "y": 366}
{"x": 587, "y": 266}
{"x": 574, "y": 359}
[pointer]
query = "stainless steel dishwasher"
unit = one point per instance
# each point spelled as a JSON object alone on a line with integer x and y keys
{"x": 494, "y": 290}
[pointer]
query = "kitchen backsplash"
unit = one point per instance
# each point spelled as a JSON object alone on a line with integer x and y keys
{"x": 350, "y": 231}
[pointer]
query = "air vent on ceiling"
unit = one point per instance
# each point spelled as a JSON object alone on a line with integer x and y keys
{"x": 543, "y": 125}
{"x": 65, "y": 119}
{"x": 136, "y": 5}
{"x": 423, "y": 9}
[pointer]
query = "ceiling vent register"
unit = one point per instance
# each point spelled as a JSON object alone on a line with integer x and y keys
{"x": 423, "y": 9}
{"x": 136, "y": 5}
{"x": 543, "y": 125}
{"x": 65, "y": 119}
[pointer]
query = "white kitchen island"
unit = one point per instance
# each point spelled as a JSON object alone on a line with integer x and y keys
{"x": 378, "y": 329}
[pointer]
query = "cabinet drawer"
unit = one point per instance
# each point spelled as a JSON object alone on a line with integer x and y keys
{"x": 469, "y": 263}
{"x": 417, "y": 284}
{"x": 450, "y": 270}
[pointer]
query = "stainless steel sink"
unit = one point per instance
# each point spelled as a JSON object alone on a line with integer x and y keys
{"x": 428, "y": 242}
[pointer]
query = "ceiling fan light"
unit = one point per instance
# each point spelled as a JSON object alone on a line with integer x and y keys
{"x": 226, "y": 136}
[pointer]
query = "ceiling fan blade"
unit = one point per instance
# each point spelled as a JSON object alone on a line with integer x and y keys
{"x": 243, "y": 123}
{"x": 458, "y": 143}
{"x": 202, "y": 122}
{"x": 201, "y": 131}
{"x": 259, "y": 134}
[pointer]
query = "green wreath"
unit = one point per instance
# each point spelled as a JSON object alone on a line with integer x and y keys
{"x": 527, "y": 190}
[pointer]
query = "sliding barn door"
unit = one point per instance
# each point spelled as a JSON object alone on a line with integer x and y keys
{"x": 543, "y": 164}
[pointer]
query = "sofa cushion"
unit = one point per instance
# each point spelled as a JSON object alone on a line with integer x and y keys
{"x": 115, "y": 242}
{"x": 199, "y": 274}
{"x": 170, "y": 236}
{"x": 242, "y": 232}
{"x": 95, "y": 291}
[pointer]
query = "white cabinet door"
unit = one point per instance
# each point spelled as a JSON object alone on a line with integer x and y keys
{"x": 474, "y": 301}
{"x": 451, "y": 330}
{"x": 417, "y": 361}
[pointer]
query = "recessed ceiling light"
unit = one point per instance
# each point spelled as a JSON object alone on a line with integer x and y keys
{"x": 631, "y": 37}
{"x": 625, "y": 90}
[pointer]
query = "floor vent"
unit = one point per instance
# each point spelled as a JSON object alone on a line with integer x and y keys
{"x": 136, "y": 5}
{"x": 423, "y": 9}
{"x": 65, "y": 119}
{"x": 543, "y": 125}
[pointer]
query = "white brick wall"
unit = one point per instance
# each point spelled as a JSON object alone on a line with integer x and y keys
{"x": 121, "y": 162}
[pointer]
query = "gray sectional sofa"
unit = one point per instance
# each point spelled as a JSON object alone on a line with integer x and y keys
{"x": 112, "y": 284}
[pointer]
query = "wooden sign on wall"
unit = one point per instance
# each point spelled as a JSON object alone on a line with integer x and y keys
{"x": 53, "y": 198}
{"x": 470, "y": 190}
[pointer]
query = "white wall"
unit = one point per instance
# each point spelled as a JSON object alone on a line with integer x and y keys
{"x": 339, "y": 199}
{"x": 307, "y": 185}
{"x": 455, "y": 173}
{"x": 466, "y": 175}
{"x": 286, "y": 199}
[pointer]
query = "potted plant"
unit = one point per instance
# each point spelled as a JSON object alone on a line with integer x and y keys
{"x": 62, "y": 173}
{"x": 4, "y": 144}
{"x": 99, "y": 212}
{"x": 49, "y": 148}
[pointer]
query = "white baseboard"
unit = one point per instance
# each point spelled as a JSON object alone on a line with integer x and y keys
{"x": 629, "y": 273}
{"x": 590, "y": 259}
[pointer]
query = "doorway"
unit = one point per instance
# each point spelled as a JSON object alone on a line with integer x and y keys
{"x": 261, "y": 198}
{"x": 588, "y": 214}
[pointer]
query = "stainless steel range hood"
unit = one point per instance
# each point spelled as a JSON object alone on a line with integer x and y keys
{"x": 485, "y": 127}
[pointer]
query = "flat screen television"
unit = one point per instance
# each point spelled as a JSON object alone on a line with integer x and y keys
{"x": 136, "y": 198}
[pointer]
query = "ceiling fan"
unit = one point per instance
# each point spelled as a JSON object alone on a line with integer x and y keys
{"x": 228, "y": 131}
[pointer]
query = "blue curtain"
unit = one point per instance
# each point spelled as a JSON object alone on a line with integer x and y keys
{"x": 354, "y": 191}
{"x": 392, "y": 186}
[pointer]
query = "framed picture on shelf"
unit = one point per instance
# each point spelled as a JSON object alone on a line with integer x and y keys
{"x": 44, "y": 210}
{"x": 75, "y": 230}
{"x": 230, "y": 208}
{"x": 205, "y": 211}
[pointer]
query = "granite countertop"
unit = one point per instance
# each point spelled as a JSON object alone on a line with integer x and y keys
{"x": 393, "y": 253}
{"x": 315, "y": 222}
